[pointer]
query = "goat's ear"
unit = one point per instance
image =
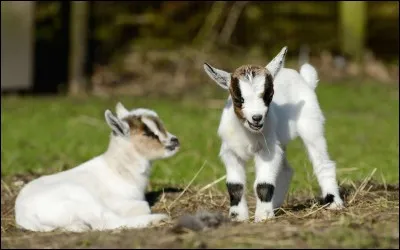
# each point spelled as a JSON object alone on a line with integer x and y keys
{"x": 118, "y": 127}
{"x": 222, "y": 78}
{"x": 121, "y": 110}
{"x": 277, "y": 63}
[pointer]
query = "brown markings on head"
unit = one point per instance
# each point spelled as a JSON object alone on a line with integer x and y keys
{"x": 237, "y": 99}
{"x": 145, "y": 141}
{"x": 242, "y": 73}
{"x": 245, "y": 70}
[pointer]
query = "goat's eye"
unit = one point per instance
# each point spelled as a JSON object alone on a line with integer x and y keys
{"x": 239, "y": 100}
{"x": 268, "y": 96}
{"x": 149, "y": 133}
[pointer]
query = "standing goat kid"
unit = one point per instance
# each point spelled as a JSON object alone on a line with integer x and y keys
{"x": 108, "y": 191}
{"x": 266, "y": 109}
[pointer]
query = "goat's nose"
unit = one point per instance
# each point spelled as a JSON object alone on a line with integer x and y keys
{"x": 175, "y": 141}
{"x": 257, "y": 118}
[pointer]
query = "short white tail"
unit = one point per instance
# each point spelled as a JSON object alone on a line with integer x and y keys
{"x": 310, "y": 75}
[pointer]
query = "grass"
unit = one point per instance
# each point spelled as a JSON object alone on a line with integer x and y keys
{"x": 49, "y": 134}
{"x": 58, "y": 132}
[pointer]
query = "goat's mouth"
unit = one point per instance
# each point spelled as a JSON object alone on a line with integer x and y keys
{"x": 170, "y": 150}
{"x": 172, "y": 147}
{"x": 255, "y": 127}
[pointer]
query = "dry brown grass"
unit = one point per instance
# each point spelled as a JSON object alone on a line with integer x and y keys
{"x": 370, "y": 219}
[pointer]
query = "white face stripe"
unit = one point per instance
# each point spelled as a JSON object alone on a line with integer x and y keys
{"x": 251, "y": 94}
{"x": 253, "y": 86}
{"x": 246, "y": 90}
{"x": 259, "y": 84}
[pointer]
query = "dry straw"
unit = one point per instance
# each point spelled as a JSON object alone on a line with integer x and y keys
{"x": 188, "y": 185}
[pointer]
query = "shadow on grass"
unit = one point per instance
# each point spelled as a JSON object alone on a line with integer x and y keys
{"x": 345, "y": 190}
{"x": 153, "y": 196}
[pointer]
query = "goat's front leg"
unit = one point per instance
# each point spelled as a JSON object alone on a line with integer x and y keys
{"x": 268, "y": 163}
{"x": 235, "y": 182}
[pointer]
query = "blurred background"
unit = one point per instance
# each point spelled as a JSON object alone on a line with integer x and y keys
{"x": 158, "y": 47}
{"x": 63, "y": 63}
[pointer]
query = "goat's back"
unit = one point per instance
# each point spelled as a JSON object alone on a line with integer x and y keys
{"x": 294, "y": 100}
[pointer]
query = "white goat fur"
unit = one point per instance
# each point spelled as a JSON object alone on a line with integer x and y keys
{"x": 294, "y": 111}
{"x": 106, "y": 192}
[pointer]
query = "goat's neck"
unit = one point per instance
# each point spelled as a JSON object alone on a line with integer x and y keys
{"x": 126, "y": 162}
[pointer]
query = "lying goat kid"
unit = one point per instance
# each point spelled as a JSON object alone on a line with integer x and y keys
{"x": 106, "y": 192}
{"x": 268, "y": 107}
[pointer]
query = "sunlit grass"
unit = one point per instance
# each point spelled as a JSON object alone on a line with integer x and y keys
{"x": 54, "y": 133}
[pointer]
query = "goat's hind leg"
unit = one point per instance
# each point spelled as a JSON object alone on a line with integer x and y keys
{"x": 94, "y": 216}
{"x": 312, "y": 133}
{"x": 282, "y": 183}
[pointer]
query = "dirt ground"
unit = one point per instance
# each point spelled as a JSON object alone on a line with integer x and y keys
{"x": 370, "y": 220}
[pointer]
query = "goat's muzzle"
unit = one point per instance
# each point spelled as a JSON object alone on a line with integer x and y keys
{"x": 174, "y": 143}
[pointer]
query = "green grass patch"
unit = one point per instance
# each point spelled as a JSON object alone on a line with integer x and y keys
{"x": 55, "y": 133}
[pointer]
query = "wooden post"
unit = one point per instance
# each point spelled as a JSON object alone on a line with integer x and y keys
{"x": 206, "y": 37}
{"x": 231, "y": 21}
{"x": 78, "y": 47}
{"x": 352, "y": 27}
